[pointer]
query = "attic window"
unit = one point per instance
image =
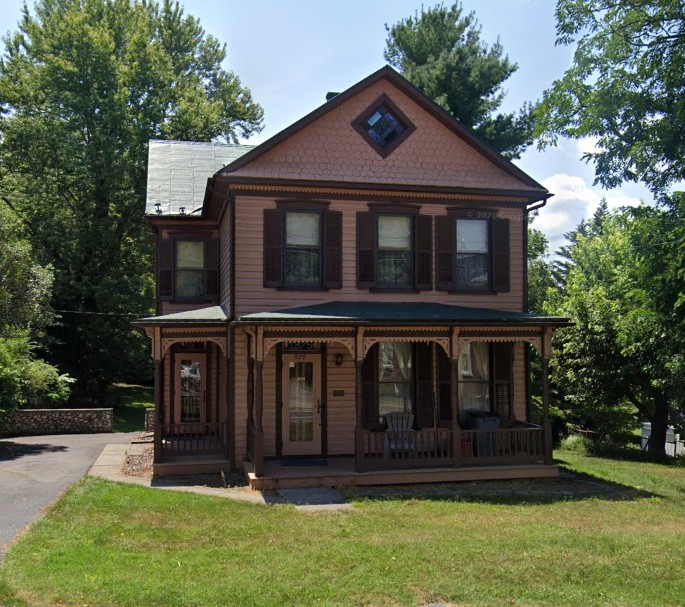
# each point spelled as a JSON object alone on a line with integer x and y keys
{"x": 384, "y": 126}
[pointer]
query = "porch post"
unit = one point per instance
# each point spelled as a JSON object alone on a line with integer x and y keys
{"x": 250, "y": 393}
{"x": 546, "y": 343}
{"x": 159, "y": 409}
{"x": 454, "y": 397}
{"x": 258, "y": 445}
{"x": 359, "y": 430}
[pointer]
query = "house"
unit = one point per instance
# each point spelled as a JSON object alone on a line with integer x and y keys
{"x": 346, "y": 302}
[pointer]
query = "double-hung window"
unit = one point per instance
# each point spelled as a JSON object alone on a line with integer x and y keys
{"x": 394, "y": 248}
{"x": 190, "y": 269}
{"x": 302, "y": 246}
{"x": 395, "y": 391}
{"x": 473, "y": 254}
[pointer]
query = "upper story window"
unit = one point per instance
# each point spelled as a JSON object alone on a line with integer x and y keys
{"x": 395, "y": 251}
{"x": 383, "y": 125}
{"x": 394, "y": 248}
{"x": 302, "y": 249}
{"x": 472, "y": 255}
{"x": 188, "y": 267}
{"x": 302, "y": 246}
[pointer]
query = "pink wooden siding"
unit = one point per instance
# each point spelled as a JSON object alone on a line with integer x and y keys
{"x": 251, "y": 296}
{"x": 331, "y": 149}
{"x": 225, "y": 260}
{"x": 341, "y": 410}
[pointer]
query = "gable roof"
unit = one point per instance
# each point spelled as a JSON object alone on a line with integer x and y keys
{"x": 418, "y": 97}
{"x": 177, "y": 172}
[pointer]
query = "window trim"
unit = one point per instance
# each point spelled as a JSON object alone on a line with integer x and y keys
{"x": 190, "y": 238}
{"x": 358, "y": 125}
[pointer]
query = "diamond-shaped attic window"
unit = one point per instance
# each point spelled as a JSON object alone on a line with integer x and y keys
{"x": 384, "y": 126}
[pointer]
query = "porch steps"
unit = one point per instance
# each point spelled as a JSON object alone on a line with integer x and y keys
{"x": 191, "y": 465}
{"x": 342, "y": 474}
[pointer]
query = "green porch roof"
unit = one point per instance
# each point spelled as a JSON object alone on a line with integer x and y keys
{"x": 348, "y": 312}
{"x": 203, "y": 316}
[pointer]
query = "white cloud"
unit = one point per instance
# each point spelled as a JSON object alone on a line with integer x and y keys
{"x": 587, "y": 145}
{"x": 573, "y": 201}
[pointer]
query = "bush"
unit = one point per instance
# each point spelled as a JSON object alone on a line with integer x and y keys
{"x": 26, "y": 381}
{"x": 577, "y": 444}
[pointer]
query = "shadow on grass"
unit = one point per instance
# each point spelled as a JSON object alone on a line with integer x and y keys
{"x": 129, "y": 403}
{"x": 10, "y": 450}
{"x": 569, "y": 486}
{"x": 631, "y": 454}
{"x": 8, "y": 598}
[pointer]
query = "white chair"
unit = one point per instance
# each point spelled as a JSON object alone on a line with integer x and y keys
{"x": 399, "y": 436}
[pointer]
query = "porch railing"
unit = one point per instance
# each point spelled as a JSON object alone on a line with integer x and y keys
{"x": 193, "y": 438}
{"x": 520, "y": 444}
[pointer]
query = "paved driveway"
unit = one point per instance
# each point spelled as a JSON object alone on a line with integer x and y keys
{"x": 35, "y": 470}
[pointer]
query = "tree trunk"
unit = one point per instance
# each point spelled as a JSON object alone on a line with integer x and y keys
{"x": 657, "y": 438}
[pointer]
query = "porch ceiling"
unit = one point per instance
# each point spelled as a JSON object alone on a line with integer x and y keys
{"x": 361, "y": 312}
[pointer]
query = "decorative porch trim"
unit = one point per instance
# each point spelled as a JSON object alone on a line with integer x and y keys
{"x": 219, "y": 340}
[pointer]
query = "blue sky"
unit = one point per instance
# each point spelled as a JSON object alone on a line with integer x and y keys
{"x": 291, "y": 52}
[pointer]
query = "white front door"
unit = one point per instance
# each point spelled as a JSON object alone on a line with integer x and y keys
{"x": 301, "y": 383}
{"x": 191, "y": 394}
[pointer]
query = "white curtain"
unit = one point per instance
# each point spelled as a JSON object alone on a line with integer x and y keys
{"x": 394, "y": 232}
{"x": 302, "y": 229}
{"x": 472, "y": 236}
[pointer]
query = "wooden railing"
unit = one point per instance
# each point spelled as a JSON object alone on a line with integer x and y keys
{"x": 520, "y": 444}
{"x": 407, "y": 449}
{"x": 194, "y": 438}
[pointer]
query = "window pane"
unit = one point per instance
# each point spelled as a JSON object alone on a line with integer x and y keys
{"x": 394, "y": 232}
{"x": 190, "y": 391}
{"x": 394, "y": 268}
{"x": 394, "y": 397}
{"x": 472, "y": 236}
{"x": 190, "y": 255}
{"x": 394, "y": 361}
{"x": 302, "y": 229}
{"x": 301, "y": 402}
{"x": 190, "y": 283}
{"x": 473, "y": 271}
{"x": 302, "y": 267}
{"x": 383, "y": 127}
{"x": 474, "y": 361}
{"x": 473, "y": 396}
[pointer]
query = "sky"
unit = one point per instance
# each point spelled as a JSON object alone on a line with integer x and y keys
{"x": 290, "y": 53}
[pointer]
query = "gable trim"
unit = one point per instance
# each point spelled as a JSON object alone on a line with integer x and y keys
{"x": 402, "y": 84}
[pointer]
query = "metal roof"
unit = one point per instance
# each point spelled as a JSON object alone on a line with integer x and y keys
{"x": 394, "y": 312}
{"x": 211, "y": 315}
{"x": 177, "y": 172}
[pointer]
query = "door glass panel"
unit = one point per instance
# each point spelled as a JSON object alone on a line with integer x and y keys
{"x": 190, "y": 391}
{"x": 301, "y": 402}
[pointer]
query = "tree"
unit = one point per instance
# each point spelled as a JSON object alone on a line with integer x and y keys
{"x": 625, "y": 292}
{"x": 626, "y": 87}
{"x": 440, "y": 51}
{"x": 84, "y": 85}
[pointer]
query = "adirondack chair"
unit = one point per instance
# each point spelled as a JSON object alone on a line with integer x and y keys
{"x": 399, "y": 436}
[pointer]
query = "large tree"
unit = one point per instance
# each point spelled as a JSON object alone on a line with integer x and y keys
{"x": 440, "y": 51}
{"x": 624, "y": 288}
{"x": 626, "y": 88}
{"x": 84, "y": 84}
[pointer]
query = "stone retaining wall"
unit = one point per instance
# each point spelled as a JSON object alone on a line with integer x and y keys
{"x": 39, "y": 422}
{"x": 149, "y": 420}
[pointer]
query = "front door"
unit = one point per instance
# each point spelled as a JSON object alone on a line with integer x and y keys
{"x": 190, "y": 403}
{"x": 301, "y": 403}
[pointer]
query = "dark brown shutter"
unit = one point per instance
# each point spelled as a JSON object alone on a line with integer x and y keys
{"x": 444, "y": 386}
{"x": 370, "y": 390}
{"x": 425, "y": 397}
{"x": 445, "y": 253}
{"x": 423, "y": 257}
{"x": 366, "y": 250}
{"x": 212, "y": 269}
{"x": 273, "y": 248}
{"x": 503, "y": 375}
{"x": 500, "y": 255}
{"x": 165, "y": 269}
{"x": 332, "y": 244}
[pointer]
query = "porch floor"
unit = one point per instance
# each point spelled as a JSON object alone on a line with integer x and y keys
{"x": 340, "y": 473}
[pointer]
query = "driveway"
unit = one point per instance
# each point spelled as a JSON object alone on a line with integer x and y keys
{"x": 35, "y": 470}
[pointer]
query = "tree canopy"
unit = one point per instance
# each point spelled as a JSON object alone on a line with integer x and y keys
{"x": 440, "y": 51}
{"x": 84, "y": 85}
{"x": 626, "y": 88}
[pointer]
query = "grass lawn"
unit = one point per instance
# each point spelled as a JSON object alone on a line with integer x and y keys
{"x": 109, "y": 544}
{"x": 129, "y": 403}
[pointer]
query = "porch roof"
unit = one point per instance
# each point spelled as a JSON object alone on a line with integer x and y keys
{"x": 203, "y": 316}
{"x": 415, "y": 313}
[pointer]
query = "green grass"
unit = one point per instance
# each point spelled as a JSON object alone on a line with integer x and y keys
{"x": 107, "y": 544}
{"x": 129, "y": 403}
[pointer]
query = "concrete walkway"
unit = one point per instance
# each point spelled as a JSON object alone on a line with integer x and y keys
{"x": 35, "y": 470}
{"x": 110, "y": 462}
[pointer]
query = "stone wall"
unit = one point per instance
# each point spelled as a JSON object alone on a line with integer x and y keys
{"x": 38, "y": 422}
{"x": 149, "y": 420}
